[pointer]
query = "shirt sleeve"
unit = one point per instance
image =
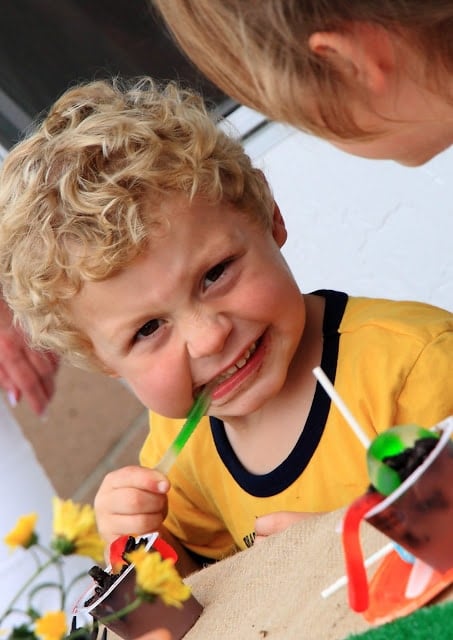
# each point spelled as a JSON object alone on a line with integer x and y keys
{"x": 429, "y": 385}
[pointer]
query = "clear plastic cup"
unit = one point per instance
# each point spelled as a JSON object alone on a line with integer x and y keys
{"x": 418, "y": 515}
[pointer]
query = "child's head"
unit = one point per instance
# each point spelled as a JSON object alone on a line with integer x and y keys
{"x": 210, "y": 300}
{"x": 82, "y": 195}
{"x": 314, "y": 64}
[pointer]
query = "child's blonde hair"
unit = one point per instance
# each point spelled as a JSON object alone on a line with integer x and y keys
{"x": 71, "y": 194}
{"x": 257, "y": 51}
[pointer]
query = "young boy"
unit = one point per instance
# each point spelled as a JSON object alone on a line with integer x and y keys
{"x": 136, "y": 237}
{"x": 374, "y": 78}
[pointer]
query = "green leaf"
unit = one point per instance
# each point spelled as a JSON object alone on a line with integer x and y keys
{"x": 22, "y": 632}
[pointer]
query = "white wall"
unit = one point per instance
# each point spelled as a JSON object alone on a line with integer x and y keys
{"x": 363, "y": 226}
{"x": 25, "y": 488}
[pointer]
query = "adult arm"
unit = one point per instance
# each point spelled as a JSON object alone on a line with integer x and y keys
{"x": 24, "y": 372}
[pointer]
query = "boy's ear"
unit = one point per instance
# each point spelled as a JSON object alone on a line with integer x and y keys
{"x": 364, "y": 54}
{"x": 279, "y": 232}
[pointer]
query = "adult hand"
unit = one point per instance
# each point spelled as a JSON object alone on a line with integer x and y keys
{"x": 24, "y": 372}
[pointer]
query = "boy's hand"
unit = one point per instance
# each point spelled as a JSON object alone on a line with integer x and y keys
{"x": 131, "y": 501}
{"x": 275, "y": 522}
{"x": 157, "y": 634}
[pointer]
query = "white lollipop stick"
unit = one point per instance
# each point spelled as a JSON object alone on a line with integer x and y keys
{"x": 342, "y": 408}
{"x": 343, "y": 581}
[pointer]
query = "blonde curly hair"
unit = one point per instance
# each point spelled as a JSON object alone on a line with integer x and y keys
{"x": 71, "y": 195}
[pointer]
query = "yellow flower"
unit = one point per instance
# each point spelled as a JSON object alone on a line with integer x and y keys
{"x": 158, "y": 577}
{"x": 23, "y": 534}
{"x": 52, "y": 625}
{"x": 75, "y": 531}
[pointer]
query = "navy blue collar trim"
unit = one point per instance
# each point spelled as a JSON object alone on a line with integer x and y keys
{"x": 269, "y": 484}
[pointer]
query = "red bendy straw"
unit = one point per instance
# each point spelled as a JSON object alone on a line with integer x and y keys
{"x": 355, "y": 567}
{"x": 118, "y": 547}
{"x": 116, "y": 551}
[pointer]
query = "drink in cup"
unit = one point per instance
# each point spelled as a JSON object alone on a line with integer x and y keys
{"x": 418, "y": 515}
{"x": 110, "y": 600}
{"x": 416, "y": 511}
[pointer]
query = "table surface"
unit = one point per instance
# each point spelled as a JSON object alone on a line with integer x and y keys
{"x": 273, "y": 590}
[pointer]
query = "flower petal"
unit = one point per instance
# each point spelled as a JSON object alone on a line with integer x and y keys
{"x": 76, "y": 523}
{"x": 52, "y": 625}
{"x": 23, "y": 534}
{"x": 158, "y": 577}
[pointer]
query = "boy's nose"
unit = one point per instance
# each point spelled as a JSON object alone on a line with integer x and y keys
{"x": 206, "y": 334}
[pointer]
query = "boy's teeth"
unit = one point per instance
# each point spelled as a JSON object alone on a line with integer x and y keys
{"x": 230, "y": 371}
{"x": 238, "y": 365}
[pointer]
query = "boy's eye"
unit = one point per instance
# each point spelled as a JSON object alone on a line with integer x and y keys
{"x": 148, "y": 329}
{"x": 216, "y": 272}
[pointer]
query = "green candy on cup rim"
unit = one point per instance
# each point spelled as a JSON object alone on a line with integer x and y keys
{"x": 391, "y": 443}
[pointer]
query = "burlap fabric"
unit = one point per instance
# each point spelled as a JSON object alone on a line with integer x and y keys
{"x": 273, "y": 589}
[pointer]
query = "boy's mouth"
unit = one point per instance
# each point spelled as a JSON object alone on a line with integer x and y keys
{"x": 241, "y": 362}
{"x": 233, "y": 370}
{"x": 236, "y": 373}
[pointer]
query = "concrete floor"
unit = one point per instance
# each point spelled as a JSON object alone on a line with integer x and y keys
{"x": 94, "y": 424}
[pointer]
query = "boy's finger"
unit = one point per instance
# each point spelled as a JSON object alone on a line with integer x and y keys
{"x": 128, "y": 501}
{"x": 157, "y": 634}
{"x": 136, "y": 477}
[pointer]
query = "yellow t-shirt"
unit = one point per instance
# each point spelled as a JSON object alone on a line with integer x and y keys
{"x": 392, "y": 363}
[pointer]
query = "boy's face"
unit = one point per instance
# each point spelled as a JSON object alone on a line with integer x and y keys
{"x": 212, "y": 300}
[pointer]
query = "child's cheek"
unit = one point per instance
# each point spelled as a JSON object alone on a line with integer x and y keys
{"x": 164, "y": 390}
